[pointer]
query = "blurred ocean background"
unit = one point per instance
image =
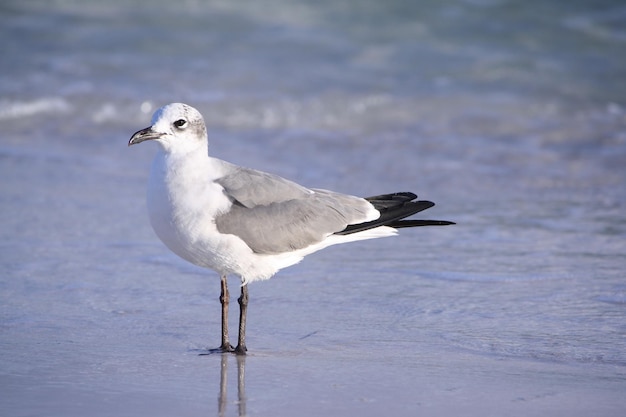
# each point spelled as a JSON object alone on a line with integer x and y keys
{"x": 510, "y": 115}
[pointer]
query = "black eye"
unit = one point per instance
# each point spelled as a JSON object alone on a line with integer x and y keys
{"x": 180, "y": 123}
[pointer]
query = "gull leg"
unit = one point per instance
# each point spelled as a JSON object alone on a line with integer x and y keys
{"x": 243, "y": 310}
{"x": 225, "y": 299}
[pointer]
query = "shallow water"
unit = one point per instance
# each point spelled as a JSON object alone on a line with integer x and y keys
{"x": 509, "y": 116}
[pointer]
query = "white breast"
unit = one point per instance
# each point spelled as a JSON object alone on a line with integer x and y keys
{"x": 182, "y": 203}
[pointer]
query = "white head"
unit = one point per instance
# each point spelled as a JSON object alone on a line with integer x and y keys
{"x": 177, "y": 127}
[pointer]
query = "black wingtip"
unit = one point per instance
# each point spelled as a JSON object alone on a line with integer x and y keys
{"x": 397, "y": 197}
{"x": 393, "y": 209}
{"x": 418, "y": 223}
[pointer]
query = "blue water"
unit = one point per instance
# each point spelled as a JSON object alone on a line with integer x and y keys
{"x": 511, "y": 116}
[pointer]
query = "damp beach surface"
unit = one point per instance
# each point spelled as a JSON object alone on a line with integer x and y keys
{"x": 510, "y": 117}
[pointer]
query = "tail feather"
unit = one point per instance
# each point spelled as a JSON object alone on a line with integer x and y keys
{"x": 393, "y": 209}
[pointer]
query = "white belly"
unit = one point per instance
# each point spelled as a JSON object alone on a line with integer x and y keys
{"x": 182, "y": 214}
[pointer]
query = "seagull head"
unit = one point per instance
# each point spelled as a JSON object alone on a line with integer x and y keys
{"x": 177, "y": 127}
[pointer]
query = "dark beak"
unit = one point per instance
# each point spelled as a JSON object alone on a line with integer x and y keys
{"x": 144, "y": 134}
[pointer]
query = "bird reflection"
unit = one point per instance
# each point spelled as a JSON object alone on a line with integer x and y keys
{"x": 222, "y": 400}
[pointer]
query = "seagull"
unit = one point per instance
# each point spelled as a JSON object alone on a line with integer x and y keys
{"x": 249, "y": 223}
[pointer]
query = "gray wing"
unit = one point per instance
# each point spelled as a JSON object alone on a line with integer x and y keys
{"x": 274, "y": 215}
{"x": 251, "y": 188}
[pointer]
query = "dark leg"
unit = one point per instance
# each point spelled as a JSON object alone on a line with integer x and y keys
{"x": 243, "y": 310}
{"x": 225, "y": 299}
